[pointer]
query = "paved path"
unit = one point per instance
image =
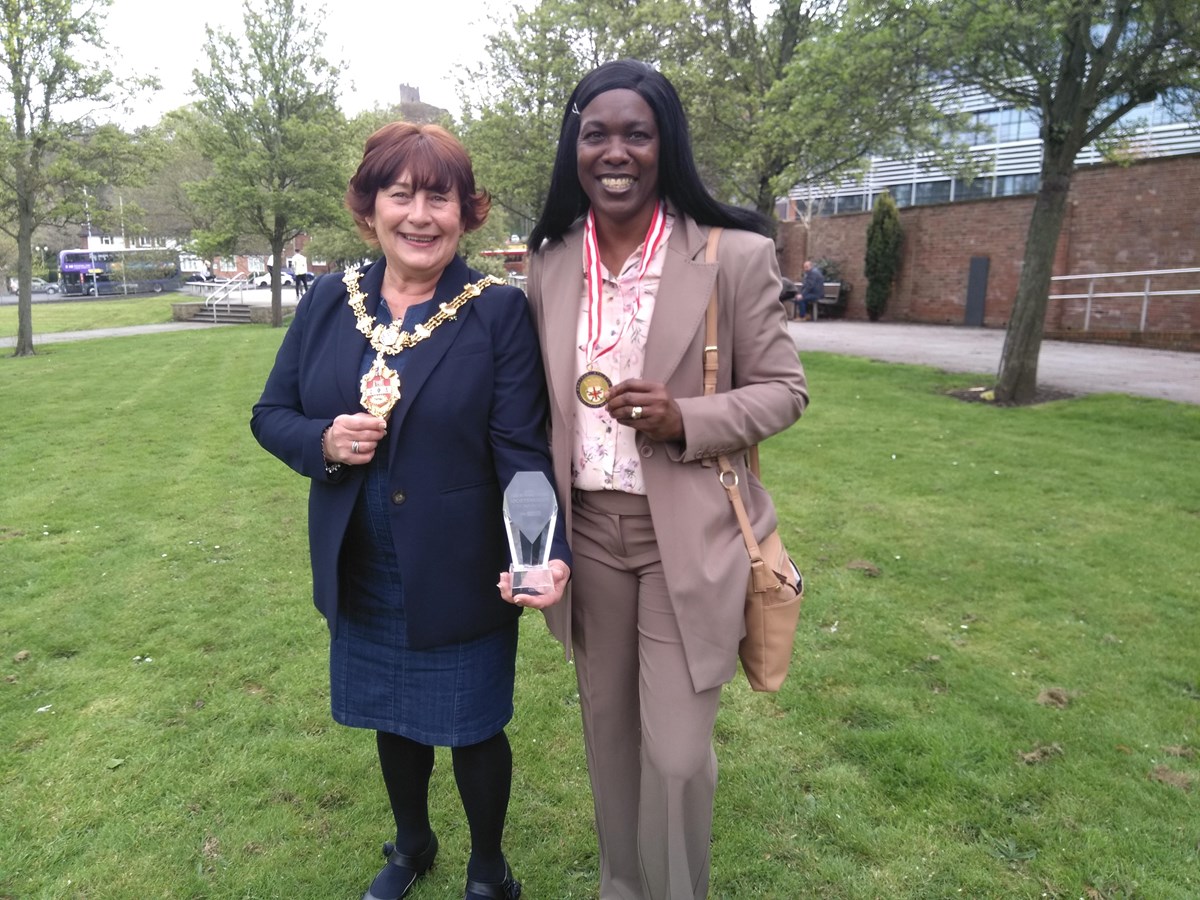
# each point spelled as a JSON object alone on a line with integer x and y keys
{"x": 59, "y": 337}
{"x": 1075, "y": 367}
{"x": 1078, "y": 368}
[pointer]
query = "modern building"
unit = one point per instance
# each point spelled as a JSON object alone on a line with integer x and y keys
{"x": 1005, "y": 153}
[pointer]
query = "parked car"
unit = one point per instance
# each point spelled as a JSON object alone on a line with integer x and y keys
{"x": 264, "y": 280}
{"x": 41, "y": 286}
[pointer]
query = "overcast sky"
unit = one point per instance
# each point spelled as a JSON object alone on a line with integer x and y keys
{"x": 384, "y": 43}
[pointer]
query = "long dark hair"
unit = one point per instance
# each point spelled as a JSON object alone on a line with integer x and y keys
{"x": 678, "y": 179}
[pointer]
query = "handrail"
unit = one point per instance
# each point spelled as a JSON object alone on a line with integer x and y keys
{"x": 1145, "y": 293}
{"x": 238, "y": 281}
{"x": 1126, "y": 274}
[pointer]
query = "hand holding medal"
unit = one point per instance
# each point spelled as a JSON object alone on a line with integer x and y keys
{"x": 648, "y": 407}
{"x": 353, "y": 438}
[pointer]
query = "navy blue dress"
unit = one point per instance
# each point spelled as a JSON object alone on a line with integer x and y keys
{"x": 454, "y": 695}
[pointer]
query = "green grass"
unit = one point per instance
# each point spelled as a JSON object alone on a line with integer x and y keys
{"x": 85, "y": 315}
{"x": 156, "y": 608}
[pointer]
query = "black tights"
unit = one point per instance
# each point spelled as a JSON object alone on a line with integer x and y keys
{"x": 483, "y": 773}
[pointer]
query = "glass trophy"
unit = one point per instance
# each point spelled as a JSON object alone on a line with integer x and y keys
{"x": 530, "y": 511}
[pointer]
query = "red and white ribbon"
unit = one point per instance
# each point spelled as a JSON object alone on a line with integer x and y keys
{"x": 595, "y": 286}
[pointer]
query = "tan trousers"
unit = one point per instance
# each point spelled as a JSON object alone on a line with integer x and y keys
{"x": 648, "y": 733}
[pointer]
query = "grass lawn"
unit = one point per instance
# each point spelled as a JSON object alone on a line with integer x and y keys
{"x": 83, "y": 315}
{"x": 996, "y": 687}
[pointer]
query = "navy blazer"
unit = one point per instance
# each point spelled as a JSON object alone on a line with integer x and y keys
{"x": 472, "y": 413}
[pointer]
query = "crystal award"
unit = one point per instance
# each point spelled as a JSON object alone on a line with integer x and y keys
{"x": 530, "y": 511}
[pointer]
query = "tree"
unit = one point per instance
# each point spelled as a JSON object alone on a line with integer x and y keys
{"x": 272, "y": 129}
{"x": 884, "y": 239}
{"x": 512, "y": 113}
{"x": 800, "y": 95}
{"x": 804, "y": 95}
{"x": 1080, "y": 66}
{"x": 51, "y": 150}
{"x": 161, "y": 206}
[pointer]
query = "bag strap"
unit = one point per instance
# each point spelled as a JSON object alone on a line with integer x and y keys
{"x": 764, "y": 578}
{"x": 710, "y": 320}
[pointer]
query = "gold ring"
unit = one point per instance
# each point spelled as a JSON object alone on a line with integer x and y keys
{"x": 636, "y": 413}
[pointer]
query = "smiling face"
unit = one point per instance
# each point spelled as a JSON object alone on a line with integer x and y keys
{"x": 418, "y": 229}
{"x": 617, "y": 159}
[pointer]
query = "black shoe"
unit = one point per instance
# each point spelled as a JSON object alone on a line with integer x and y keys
{"x": 411, "y": 868}
{"x": 508, "y": 889}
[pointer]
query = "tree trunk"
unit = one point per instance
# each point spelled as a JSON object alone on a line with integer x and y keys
{"x": 1017, "y": 378}
{"x": 24, "y": 346}
{"x": 765, "y": 201}
{"x": 277, "y": 282}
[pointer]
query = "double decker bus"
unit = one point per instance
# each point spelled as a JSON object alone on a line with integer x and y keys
{"x": 136, "y": 271}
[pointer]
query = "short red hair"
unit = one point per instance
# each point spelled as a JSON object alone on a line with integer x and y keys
{"x": 433, "y": 158}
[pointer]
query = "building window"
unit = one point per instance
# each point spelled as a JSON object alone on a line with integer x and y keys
{"x": 1172, "y": 108}
{"x": 901, "y": 193}
{"x": 982, "y": 128}
{"x": 931, "y": 192}
{"x": 973, "y": 190}
{"x": 852, "y": 203}
{"x": 1013, "y": 185}
{"x": 1017, "y": 125}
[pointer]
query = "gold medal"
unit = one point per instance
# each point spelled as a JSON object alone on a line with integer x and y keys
{"x": 380, "y": 389}
{"x": 592, "y": 388}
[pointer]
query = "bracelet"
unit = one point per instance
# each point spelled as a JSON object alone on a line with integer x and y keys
{"x": 331, "y": 468}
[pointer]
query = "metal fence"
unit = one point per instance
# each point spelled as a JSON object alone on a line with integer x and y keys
{"x": 1100, "y": 288}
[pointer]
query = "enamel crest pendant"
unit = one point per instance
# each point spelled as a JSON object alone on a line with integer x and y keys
{"x": 380, "y": 389}
{"x": 592, "y": 388}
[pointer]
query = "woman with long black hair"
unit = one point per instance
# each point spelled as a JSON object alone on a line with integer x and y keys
{"x": 619, "y": 287}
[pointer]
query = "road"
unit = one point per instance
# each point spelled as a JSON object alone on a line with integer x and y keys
{"x": 1075, "y": 367}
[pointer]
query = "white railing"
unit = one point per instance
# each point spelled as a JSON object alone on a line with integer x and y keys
{"x": 1091, "y": 294}
{"x": 223, "y": 293}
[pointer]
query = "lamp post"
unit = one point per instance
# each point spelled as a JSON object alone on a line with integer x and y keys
{"x": 87, "y": 213}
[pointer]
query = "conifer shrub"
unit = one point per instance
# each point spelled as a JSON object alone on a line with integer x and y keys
{"x": 884, "y": 240}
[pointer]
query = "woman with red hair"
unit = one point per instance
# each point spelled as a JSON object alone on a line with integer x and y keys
{"x": 410, "y": 392}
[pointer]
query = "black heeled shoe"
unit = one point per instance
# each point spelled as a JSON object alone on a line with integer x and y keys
{"x": 413, "y": 867}
{"x": 508, "y": 889}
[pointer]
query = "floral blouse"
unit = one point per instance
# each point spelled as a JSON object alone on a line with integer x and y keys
{"x": 605, "y": 453}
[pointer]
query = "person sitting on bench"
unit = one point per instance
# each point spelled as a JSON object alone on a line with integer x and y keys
{"x": 812, "y": 289}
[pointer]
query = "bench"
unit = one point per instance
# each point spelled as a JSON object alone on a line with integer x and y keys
{"x": 832, "y": 302}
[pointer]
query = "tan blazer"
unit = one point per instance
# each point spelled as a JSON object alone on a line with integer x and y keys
{"x": 761, "y": 391}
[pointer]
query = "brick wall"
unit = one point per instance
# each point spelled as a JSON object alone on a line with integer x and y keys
{"x": 1119, "y": 218}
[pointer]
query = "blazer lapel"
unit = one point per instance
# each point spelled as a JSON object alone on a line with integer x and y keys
{"x": 562, "y": 288}
{"x": 426, "y": 355}
{"x": 686, "y": 285}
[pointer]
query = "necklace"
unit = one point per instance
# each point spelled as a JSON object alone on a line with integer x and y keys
{"x": 380, "y": 387}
